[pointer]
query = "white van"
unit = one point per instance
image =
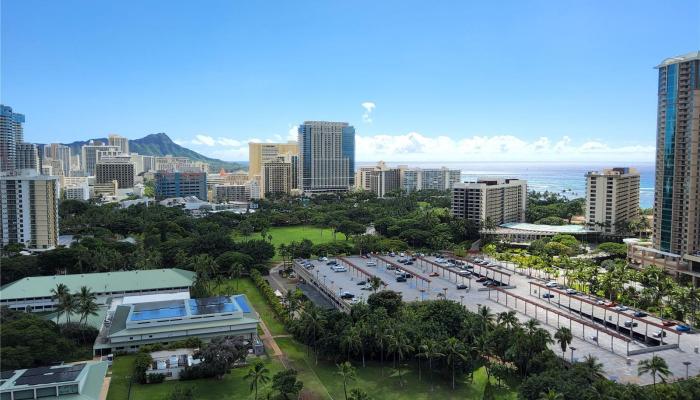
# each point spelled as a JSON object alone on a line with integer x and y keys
{"x": 338, "y": 268}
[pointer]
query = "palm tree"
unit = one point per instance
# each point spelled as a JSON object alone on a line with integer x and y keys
{"x": 593, "y": 367}
{"x": 313, "y": 321}
{"x": 86, "y": 304}
{"x": 551, "y": 394}
{"x": 564, "y": 338}
{"x": 375, "y": 283}
{"x": 487, "y": 317}
{"x": 352, "y": 341}
{"x": 430, "y": 350}
{"x": 454, "y": 351}
{"x": 347, "y": 372}
{"x": 292, "y": 301}
{"x": 68, "y": 305}
{"x": 358, "y": 394}
{"x": 57, "y": 294}
{"x": 258, "y": 374}
{"x": 236, "y": 271}
{"x": 654, "y": 366}
{"x": 400, "y": 346}
{"x": 508, "y": 319}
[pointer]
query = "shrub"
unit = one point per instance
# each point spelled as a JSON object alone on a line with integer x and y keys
{"x": 141, "y": 364}
{"x": 156, "y": 378}
{"x": 269, "y": 295}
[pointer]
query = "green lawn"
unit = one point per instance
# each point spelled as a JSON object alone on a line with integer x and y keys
{"x": 232, "y": 386}
{"x": 323, "y": 380}
{"x": 246, "y": 286}
{"x": 288, "y": 234}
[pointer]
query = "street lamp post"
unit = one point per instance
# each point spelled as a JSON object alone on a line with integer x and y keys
{"x": 687, "y": 365}
{"x": 461, "y": 300}
{"x": 445, "y": 290}
{"x": 572, "y": 353}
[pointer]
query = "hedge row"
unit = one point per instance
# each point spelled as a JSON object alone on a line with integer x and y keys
{"x": 269, "y": 296}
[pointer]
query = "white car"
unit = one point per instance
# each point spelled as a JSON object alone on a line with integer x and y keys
{"x": 551, "y": 284}
{"x": 440, "y": 260}
{"x": 338, "y": 268}
{"x": 371, "y": 264}
{"x": 621, "y": 308}
{"x": 571, "y": 291}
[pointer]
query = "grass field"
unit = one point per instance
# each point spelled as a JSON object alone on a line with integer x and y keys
{"x": 324, "y": 381}
{"x": 288, "y": 234}
{"x": 246, "y": 286}
{"x": 232, "y": 386}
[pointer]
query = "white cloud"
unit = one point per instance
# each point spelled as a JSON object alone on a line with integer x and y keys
{"x": 369, "y": 107}
{"x": 414, "y": 146}
{"x": 293, "y": 133}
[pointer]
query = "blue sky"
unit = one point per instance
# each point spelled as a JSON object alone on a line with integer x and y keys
{"x": 457, "y": 81}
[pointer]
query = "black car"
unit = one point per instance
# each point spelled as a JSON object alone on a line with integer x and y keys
{"x": 640, "y": 314}
{"x": 347, "y": 295}
{"x": 332, "y": 263}
{"x": 401, "y": 279}
{"x": 461, "y": 286}
{"x": 408, "y": 263}
{"x": 361, "y": 283}
{"x": 548, "y": 296}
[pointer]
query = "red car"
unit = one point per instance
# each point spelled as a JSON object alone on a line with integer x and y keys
{"x": 667, "y": 322}
{"x": 433, "y": 274}
{"x": 609, "y": 304}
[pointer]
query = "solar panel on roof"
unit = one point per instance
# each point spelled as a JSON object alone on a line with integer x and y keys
{"x": 212, "y": 305}
{"x": 167, "y": 312}
{"x": 44, "y": 375}
{"x": 6, "y": 374}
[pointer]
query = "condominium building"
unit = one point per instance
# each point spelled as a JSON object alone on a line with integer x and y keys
{"x": 443, "y": 178}
{"x": 383, "y": 181}
{"x": 499, "y": 201}
{"x": 276, "y": 177}
{"x": 119, "y": 169}
{"x": 181, "y": 184}
{"x": 121, "y": 142}
{"x": 56, "y": 166}
{"x": 106, "y": 189}
{"x": 231, "y": 193}
{"x": 29, "y": 210}
{"x": 77, "y": 192}
{"x": 57, "y": 151}
{"x": 612, "y": 199}
{"x": 11, "y": 134}
{"x": 90, "y": 154}
{"x": 182, "y": 164}
{"x": 326, "y": 156}
{"x": 27, "y": 157}
{"x": 260, "y": 153}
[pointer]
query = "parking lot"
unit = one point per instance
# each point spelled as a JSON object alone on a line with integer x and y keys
{"x": 610, "y": 342}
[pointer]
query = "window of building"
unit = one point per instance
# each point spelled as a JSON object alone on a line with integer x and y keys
{"x": 67, "y": 389}
{"x": 46, "y": 392}
{"x": 23, "y": 394}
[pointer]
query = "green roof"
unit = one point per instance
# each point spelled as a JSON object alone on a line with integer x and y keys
{"x": 120, "y": 281}
{"x": 92, "y": 377}
{"x": 93, "y": 320}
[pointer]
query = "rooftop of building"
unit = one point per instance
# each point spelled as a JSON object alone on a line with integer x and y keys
{"x": 120, "y": 281}
{"x": 617, "y": 171}
{"x": 491, "y": 182}
{"x": 693, "y": 55}
{"x": 180, "y": 314}
{"x": 89, "y": 376}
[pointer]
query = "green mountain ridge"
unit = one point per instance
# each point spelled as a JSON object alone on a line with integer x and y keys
{"x": 160, "y": 144}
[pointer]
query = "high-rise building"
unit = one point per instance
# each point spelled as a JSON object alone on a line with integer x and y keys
{"x": 57, "y": 151}
{"x": 180, "y": 164}
{"x": 276, "y": 177}
{"x": 121, "y": 142}
{"x": 11, "y": 134}
{"x": 181, "y": 184}
{"x": 413, "y": 179}
{"x": 260, "y": 153}
{"x": 29, "y": 210}
{"x": 27, "y": 157}
{"x": 79, "y": 191}
{"x": 56, "y": 166}
{"x": 677, "y": 188}
{"x": 119, "y": 168}
{"x": 612, "y": 198}
{"x": 498, "y": 200}
{"x": 90, "y": 155}
{"x": 326, "y": 156}
{"x": 383, "y": 181}
{"x": 231, "y": 193}
{"x": 362, "y": 177}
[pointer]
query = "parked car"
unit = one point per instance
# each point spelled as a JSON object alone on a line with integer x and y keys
{"x": 371, "y": 264}
{"x": 551, "y": 284}
{"x": 631, "y": 324}
{"x": 482, "y": 279}
{"x": 682, "y": 328}
{"x": 621, "y": 308}
{"x": 390, "y": 267}
{"x": 408, "y": 262}
{"x": 548, "y": 296}
{"x": 339, "y": 268}
{"x": 332, "y": 262}
{"x": 347, "y": 295}
{"x": 600, "y": 302}
{"x": 668, "y": 322}
{"x": 400, "y": 279}
{"x": 593, "y": 338}
{"x": 658, "y": 334}
{"x": 323, "y": 259}
{"x": 433, "y": 274}
{"x": 609, "y": 304}
{"x": 640, "y": 314}
{"x": 360, "y": 283}
{"x": 461, "y": 286}
{"x": 571, "y": 291}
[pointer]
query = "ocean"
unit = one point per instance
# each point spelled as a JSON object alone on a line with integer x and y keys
{"x": 567, "y": 178}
